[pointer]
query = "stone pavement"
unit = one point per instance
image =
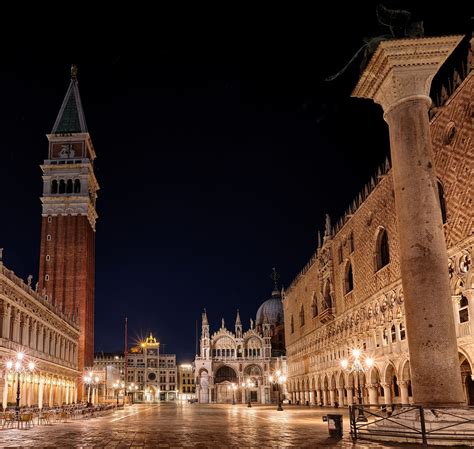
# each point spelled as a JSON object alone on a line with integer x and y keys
{"x": 174, "y": 425}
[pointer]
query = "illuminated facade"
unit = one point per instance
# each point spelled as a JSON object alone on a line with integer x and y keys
{"x": 229, "y": 359}
{"x": 154, "y": 375}
{"x": 350, "y": 292}
{"x": 186, "y": 385}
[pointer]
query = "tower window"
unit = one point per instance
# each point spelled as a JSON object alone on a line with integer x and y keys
{"x": 54, "y": 186}
{"x": 46, "y": 277}
{"x": 77, "y": 186}
{"x": 69, "y": 186}
{"x": 48, "y": 237}
{"x": 48, "y": 257}
{"x": 402, "y": 331}
{"x": 50, "y": 219}
{"x": 382, "y": 253}
{"x": 45, "y": 297}
{"x": 62, "y": 186}
{"x": 393, "y": 333}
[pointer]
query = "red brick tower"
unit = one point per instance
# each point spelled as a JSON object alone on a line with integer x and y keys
{"x": 67, "y": 257}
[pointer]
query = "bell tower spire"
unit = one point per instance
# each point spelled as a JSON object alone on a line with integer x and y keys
{"x": 67, "y": 254}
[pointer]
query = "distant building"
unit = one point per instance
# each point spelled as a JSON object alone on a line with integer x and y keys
{"x": 186, "y": 385}
{"x": 229, "y": 359}
{"x": 151, "y": 376}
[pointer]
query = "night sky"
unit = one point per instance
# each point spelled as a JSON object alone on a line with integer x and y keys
{"x": 219, "y": 154}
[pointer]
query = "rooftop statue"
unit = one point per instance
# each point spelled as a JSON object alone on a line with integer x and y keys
{"x": 399, "y": 24}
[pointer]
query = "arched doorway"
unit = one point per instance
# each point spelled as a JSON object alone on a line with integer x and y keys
{"x": 253, "y": 373}
{"x": 203, "y": 380}
{"x": 224, "y": 377}
{"x": 466, "y": 376}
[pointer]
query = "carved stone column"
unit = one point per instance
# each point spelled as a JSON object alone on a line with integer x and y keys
{"x": 40, "y": 393}
{"x": 373, "y": 394}
{"x": 387, "y": 392}
{"x": 6, "y": 315}
{"x": 398, "y": 77}
{"x": 318, "y": 397}
{"x": 350, "y": 396}
{"x": 5, "y": 390}
{"x": 340, "y": 394}
{"x": 403, "y": 385}
{"x": 331, "y": 397}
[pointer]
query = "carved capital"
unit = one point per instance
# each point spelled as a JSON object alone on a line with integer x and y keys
{"x": 402, "y": 69}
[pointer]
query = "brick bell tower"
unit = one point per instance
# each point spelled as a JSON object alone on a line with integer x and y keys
{"x": 67, "y": 256}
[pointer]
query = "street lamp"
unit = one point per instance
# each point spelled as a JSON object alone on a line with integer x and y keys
{"x": 278, "y": 379}
{"x": 87, "y": 379}
{"x": 232, "y": 387}
{"x": 20, "y": 365}
{"x": 358, "y": 363}
{"x": 247, "y": 385}
{"x": 116, "y": 387}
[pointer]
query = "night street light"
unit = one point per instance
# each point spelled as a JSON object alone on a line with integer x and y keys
{"x": 247, "y": 385}
{"x": 358, "y": 363}
{"x": 19, "y": 366}
{"x": 232, "y": 387}
{"x": 278, "y": 379}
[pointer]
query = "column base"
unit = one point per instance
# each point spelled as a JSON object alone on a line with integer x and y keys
{"x": 447, "y": 426}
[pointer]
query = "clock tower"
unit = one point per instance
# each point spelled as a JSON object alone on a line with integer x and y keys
{"x": 67, "y": 255}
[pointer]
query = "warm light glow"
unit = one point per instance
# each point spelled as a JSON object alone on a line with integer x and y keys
{"x": 369, "y": 361}
{"x": 31, "y": 366}
{"x": 282, "y": 379}
{"x": 278, "y": 372}
{"x": 90, "y": 374}
{"x": 96, "y": 378}
{"x": 9, "y": 364}
{"x": 20, "y": 355}
{"x": 270, "y": 378}
{"x": 344, "y": 363}
{"x": 356, "y": 353}
{"x": 18, "y": 366}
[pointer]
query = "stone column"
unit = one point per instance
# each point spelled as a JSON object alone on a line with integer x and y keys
{"x": 67, "y": 394}
{"x": 398, "y": 77}
{"x": 40, "y": 393}
{"x": 29, "y": 400}
{"x": 318, "y": 397}
{"x": 340, "y": 395}
{"x": 403, "y": 385}
{"x": 387, "y": 392}
{"x": 5, "y": 391}
{"x": 75, "y": 394}
{"x": 331, "y": 397}
{"x": 325, "y": 397}
{"x": 311, "y": 397}
{"x": 51, "y": 387}
{"x": 350, "y": 396}
{"x": 373, "y": 394}
{"x": 7, "y": 310}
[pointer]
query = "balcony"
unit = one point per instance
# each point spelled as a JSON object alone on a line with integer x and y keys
{"x": 327, "y": 315}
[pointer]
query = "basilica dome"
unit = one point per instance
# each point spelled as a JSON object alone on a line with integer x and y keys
{"x": 271, "y": 310}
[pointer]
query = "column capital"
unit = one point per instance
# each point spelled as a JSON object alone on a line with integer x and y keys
{"x": 385, "y": 385}
{"x": 402, "y": 69}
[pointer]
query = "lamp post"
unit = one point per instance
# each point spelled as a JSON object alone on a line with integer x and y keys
{"x": 232, "y": 387}
{"x": 116, "y": 387}
{"x": 278, "y": 379}
{"x": 247, "y": 385}
{"x": 87, "y": 379}
{"x": 358, "y": 363}
{"x": 20, "y": 365}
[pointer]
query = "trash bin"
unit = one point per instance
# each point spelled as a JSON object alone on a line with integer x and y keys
{"x": 334, "y": 425}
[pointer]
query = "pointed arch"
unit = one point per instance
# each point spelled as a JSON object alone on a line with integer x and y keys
{"x": 302, "y": 316}
{"x": 327, "y": 295}
{"x": 314, "y": 305}
{"x": 348, "y": 278}
{"x": 382, "y": 250}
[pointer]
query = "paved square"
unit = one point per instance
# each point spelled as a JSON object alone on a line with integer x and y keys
{"x": 174, "y": 425}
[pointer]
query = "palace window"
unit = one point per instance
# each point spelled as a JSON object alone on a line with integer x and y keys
{"x": 463, "y": 309}
{"x": 442, "y": 201}
{"x": 348, "y": 279}
{"x": 314, "y": 306}
{"x": 350, "y": 241}
{"x": 292, "y": 324}
{"x": 382, "y": 253}
{"x": 402, "y": 331}
{"x": 385, "y": 337}
{"x": 327, "y": 296}
{"x": 302, "y": 316}
{"x": 393, "y": 333}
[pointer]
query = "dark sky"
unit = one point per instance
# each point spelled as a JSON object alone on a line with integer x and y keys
{"x": 219, "y": 153}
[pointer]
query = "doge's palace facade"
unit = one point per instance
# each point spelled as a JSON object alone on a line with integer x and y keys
{"x": 350, "y": 293}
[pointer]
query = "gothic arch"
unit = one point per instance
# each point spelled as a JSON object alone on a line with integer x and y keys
{"x": 348, "y": 277}
{"x": 381, "y": 249}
